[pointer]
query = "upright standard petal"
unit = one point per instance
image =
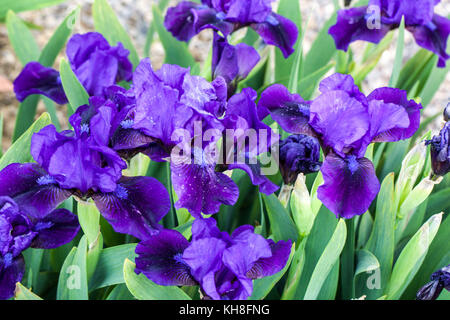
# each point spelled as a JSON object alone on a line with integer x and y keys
{"x": 233, "y": 63}
{"x": 160, "y": 258}
{"x": 393, "y": 116}
{"x": 350, "y": 185}
{"x": 97, "y": 64}
{"x": 77, "y": 162}
{"x": 248, "y": 11}
{"x": 342, "y": 122}
{"x": 135, "y": 207}
{"x": 204, "y": 257}
{"x": 37, "y": 79}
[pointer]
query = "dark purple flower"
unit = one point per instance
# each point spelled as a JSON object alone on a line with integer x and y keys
{"x": 226, "y": 16}
{"x": 76, "y": 161}
{"x": 83, "y": 163}
{"x": 299, "y": 154}
{"x": 171, "y": 99}
{"x": 184, "y": 116}
{"x": 189, "y": 18}
{"x": 96, "y": 64}
{"x": 440, "y": 151}
{"x": 345, "y": 122}
{"x": 222, "y": 265}
{"x": 371, "y": 23}
{"x": 233, "y": 63}
{"x": 439, "y": 280}
{"x": 37, "y": 79}
{"x": 20, "y": 231}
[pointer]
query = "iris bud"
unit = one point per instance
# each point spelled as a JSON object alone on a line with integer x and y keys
{"x": 298, "y": 154}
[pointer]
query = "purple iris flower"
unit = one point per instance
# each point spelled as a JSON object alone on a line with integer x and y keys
{"x": 222, "y": 265}
{"x": 439, "y": 280}
{"x": 299, "y": 153}
{"x": 82, "y": 163}
{"x": 371, "y": 23}
{"x": 21, "y": 229}
{"x": 345, "y": 122}
{"x": 226, "y": 16}
{"x": 96, "y": 64}
{"x": 440, "y": 151}
{"x": 177, "y": 110}
{"x": 233, "y": 63}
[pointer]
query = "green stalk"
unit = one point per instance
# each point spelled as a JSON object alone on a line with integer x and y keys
{"x": 170, "y": 219}
{"x": 348, "y": 262}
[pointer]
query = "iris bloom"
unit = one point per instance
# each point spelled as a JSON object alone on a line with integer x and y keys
{"x": 222, "y": 265}
{"x": 429, "y": 29}
{"x": 232, "y": 63}
{"x": 439, "y": 280}
{"x": 226, "y": 16}
{"x": 169, "y": 104}
{"x": 81, "y": 163}
{"x": 23, "y": 227}
{"x": 345, "y": 122}
{"x": 96, "y": 64}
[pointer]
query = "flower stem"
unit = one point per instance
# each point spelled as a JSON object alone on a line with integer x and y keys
{"x": 348, "y": 262}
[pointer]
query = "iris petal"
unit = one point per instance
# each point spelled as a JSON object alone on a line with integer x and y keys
{"x": 160, "y": 259}
{"x": 136, "y": 207}
{"x": 350, "y": 185}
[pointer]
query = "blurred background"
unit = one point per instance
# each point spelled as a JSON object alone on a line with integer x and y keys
{"x": 136, "y": 16}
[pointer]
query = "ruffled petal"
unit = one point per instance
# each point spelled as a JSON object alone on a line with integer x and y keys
{"x": 254, "y": 172}
{"x": 352, "y": 25}
{"x": 342, "y": 121}
{"x": 278, "y": 31}
{"x": 55, "y": 229}
{"x": 160, "y": 258}
{"x": 188, "y": 18}
{"x": 290, "y": 111}
{"x": 268, "y": 266}
{"x": 233, "y": 63}
{"x": 393, "y": 116}
{"x": 204, "y": 257}
{"x": 37, "y": 79}
{"x": 342, "y": 82}
{"x": 135, "y": 207}
{"x": 251, "y": 11}
{"x": 96, "y": 64}
{"x": 350, "y": 185}
{"x": 200, "y": 188}
{"x": 32, "y": 189}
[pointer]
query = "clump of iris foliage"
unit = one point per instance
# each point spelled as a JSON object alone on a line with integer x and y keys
{"x": 355, "y": 208}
